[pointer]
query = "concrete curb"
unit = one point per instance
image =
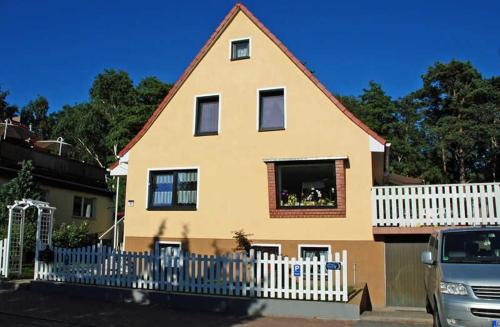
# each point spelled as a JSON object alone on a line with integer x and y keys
{"x": 208, "y": 303}
{"x": 398, "y": 317}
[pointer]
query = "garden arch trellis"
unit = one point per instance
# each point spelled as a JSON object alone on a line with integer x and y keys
{"x": 13, "y": 256}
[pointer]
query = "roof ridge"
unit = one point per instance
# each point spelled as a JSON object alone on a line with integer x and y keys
{"x": 211, "y": 41}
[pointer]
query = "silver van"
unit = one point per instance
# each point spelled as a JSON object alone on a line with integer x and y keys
{"x": 462, "y": 278}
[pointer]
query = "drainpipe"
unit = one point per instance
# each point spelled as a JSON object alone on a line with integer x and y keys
{"x": 115, "y": 234}
{"x": 387, "y": 149}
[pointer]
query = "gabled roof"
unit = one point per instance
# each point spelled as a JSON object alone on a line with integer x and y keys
{"x": 213, "y": 38}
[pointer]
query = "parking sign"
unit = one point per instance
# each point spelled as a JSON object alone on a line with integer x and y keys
{"x": 296, "y": 270}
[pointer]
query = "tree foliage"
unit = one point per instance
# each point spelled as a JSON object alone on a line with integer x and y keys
{"x": 116, "y": 111}
{"x": 35, "y": 114}
{"x": 446, "y": 131}
{"x": 7, "y": 111}
{"x": 23, "y": 186}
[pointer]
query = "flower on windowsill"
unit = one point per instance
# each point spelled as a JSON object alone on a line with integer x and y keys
{"x": 292, "y": 200}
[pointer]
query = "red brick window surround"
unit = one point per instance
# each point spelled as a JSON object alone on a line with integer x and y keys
{"x": 313, "y": 212}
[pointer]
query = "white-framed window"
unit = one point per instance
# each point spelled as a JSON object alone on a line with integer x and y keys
{"x": 83, "y": 207}
{"x": 314, "y": 250}
{"x": 267, "y": 248}
{"x": 207, "y": 114}
{"x": 271, "y": 109}
{"x": 240, "y": 48}
{"x": 172, "y": 188}
{"x": 173, "y": 246}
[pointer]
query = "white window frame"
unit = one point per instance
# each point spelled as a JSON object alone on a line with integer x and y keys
{"x": 195, "y": 105}
{"x": 148, "y": 182}
{"x": 277, "y": 245}
{"x": 284, "y": 104}
{"x": 177, "y": 243}
{"x": 240, "y": 39}
{"x": 93, "y": 215}
{"x": 300, "y": 246}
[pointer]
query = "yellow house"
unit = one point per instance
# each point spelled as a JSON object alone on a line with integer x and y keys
{"x": 77, "y": 190}
{"x": 248, "y": 139}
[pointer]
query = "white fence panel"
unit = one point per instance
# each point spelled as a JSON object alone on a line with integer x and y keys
{"x": 3, "y": 257}
{"x": 436, "y": 205}
{"x": 255, "y": 274}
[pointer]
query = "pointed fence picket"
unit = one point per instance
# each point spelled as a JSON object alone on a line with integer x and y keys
{"x": 256, "y": 274}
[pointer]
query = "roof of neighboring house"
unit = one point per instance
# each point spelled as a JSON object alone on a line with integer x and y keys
{"x": 213, "y": 38}
{"x": 395, "y": 179}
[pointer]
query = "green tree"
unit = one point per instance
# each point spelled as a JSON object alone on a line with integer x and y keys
{"x": 126, "y": 108}
{"x": 7, "y": 111}
{"x": 35, "y": 113}
{"x": 86, "y": 128}
{"x": 377, "y": 109}
{"x": 447, "y": 101}
{"x": 23, "y": 186}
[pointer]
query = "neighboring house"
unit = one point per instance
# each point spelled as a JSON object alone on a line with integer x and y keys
{"x": 78, "y": 190}
{"x": 249, "y": 139}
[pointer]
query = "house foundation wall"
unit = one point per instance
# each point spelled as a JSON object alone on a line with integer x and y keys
{"x": 366, "y": 259}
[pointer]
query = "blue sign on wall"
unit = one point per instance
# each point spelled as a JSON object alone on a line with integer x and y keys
{"x": 494, "y": 323}
{"x": 296, "y": 270}
{"x": 333, "y": 266}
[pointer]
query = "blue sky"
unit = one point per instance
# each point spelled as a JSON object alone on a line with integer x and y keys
{"x": 56, "y": 48}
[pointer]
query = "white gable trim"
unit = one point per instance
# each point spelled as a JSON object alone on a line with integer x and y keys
{"x": 375, "y": 146}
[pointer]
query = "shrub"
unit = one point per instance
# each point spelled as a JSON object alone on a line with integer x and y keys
{"x": 242, "y": 241}
{"x": 72, "y": 235}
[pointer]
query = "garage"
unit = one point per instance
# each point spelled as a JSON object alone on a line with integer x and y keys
{"x": 404, "y": 272}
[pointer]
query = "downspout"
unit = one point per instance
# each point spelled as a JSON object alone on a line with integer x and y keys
{"x": 115, "y": 234}
{"x": 387, "y": 157}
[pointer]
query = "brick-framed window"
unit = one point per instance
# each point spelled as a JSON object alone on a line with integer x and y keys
{"x": 328, "y": 203}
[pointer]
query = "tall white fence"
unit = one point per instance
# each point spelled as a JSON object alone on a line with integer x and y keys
{"x": 436, "y": 205}
{"x": 254, "y": 275}
{"x": 3, "y": 257}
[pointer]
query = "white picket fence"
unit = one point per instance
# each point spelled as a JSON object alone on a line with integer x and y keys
{"x": 3, "y": 258}
{"x": 253, "y": 275}
{"x": 436, "y": 205}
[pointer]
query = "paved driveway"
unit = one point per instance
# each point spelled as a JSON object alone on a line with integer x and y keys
{"x": 27, "y": 308}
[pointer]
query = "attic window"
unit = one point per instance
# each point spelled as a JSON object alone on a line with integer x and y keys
{"x": 240, "y": 49}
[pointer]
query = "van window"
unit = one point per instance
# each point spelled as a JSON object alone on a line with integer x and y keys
{"x": 471, "y": 247}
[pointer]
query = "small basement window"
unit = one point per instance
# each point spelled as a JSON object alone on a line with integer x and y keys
{"x": 166, "y": 247}
{"x": 173, "y": 190}
{"x": 271, "y": 110}
{"x": 240, "y": 49}
{"x": 83, "y": 207}
{"x": 267, "y": 248}
{"x": 306, "y": 185}
{"x": 310, "y": 251}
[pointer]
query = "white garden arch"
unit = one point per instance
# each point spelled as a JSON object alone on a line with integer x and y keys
{"x": 13, "y": 256}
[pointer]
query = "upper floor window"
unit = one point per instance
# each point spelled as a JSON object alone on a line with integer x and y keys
{"x": 207, "y": 115}
{"x": 306, "y": 184}
{"x": 173, "y": 190}
{"x": 240, "y": 49}
{"x": 271, "y": 109}
{"x": 83, "y": 207}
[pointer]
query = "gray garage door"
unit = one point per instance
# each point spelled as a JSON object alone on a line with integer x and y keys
{"x": 405, "y": 273}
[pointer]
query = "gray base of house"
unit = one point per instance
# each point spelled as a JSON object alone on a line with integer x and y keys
{"x": 209, "y": 303}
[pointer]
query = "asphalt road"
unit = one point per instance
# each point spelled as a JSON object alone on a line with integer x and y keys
{"x": 24, "y": 308}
